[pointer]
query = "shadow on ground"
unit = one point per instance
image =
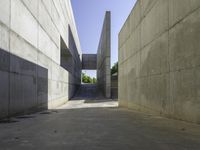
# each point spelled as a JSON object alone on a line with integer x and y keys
{"x": 98, "y": 124}
{"x": 98, "y": 129}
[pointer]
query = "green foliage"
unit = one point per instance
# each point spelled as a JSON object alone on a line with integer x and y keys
{"x": 88, "y": 79}
{"x": 114, "y": 69}
{"x": 94, "y": 80}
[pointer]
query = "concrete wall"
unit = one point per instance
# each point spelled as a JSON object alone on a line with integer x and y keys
{"x": 159, "y": 58}
{"x": 31, "y": 75}
{"x": 89, "y": 61}
{"x": 103, "y": 57}
{"x": 114, "y": 86}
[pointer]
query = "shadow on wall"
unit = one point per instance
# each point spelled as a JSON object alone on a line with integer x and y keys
{"x": 168, "y": 84}
{"x": 75, "y": 76}
{"x": 24, "y": 86}
{"x": 154, "y": 72}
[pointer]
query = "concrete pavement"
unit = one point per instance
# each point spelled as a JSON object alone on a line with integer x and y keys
{"x": 97, "y": 125}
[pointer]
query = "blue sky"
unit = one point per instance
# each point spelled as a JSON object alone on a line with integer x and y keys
{"x": 89, "y": 16}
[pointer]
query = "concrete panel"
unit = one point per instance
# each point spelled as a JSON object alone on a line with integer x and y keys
{"x": 64, "y": 75}
{"x": 5, "y": 11}
{"x": 155, "y": 57}
{"x": 135, "y": 41}
{"x": 122, "y": 53}
{"x": 144, "y": 91}
{"x": 32, "y": 6}
{"x": 56, "y": 88}
{"x": 4, "y": 61}
{"x": 186, "y": 104}
{"x": 134, "y": 93}
{"x": 179, "y": 9}
{"x": 21, "y": 66}
{"x": 46, "y": 21}
{"x": 21, "y": 48}
{"x": 114, "y": 86}
{"x": 45, "y": 43}
{"x": 89, "y": 61}
{"x": 135, "y": 16}
{"x": 133, "y": 66}
{"x": 19, "y": 80}
{"x": 56, "y": 75}
{"x": 55, "y": 53}
{"x": 48, "y": 47}
{"x": 29, "y": 91}
{"x": 16, "y": 94}
{"x": 123, "y": 91}
{"x": 45, "y": 62}
{"x": 48, "y": 4}
{"x": 143, "y": 64}
{"x": 4, "y": 93}
{"x": 184, "y": 43}
{"x": 158, "y": 93}
{"x": 42, "y": 86}
{"x": 4, "y": 37}
{"x": 121, "y": 38}
{"x": 146, "y": 6}
{"x": 23, "y": 23}
{"x": 44, "y": 18}
{"x": 155, "y": 23}
{"x": 103, "y": 57}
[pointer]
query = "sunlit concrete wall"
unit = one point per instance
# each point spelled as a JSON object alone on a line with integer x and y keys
{"x": 31, "y": 75}
{"x": 103, "y": 57}
{"x": 159, "y": 58}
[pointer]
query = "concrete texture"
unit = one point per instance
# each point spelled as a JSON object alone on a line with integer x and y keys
{"x": 103, "y": 57}
{"x": 34, "y": 36}
{"x": 88, "y": 92}
{"x": 24, "y": 85}
{"x": 101, "y": 60}
{"x": 114, "y": 86}
{"x": 159, "y": 59}
{"x": 97, "y": 125}
{"x": 89, "y": 62}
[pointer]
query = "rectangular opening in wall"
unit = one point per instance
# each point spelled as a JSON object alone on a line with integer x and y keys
{"x": 89, "y": 77}
{"x": 66, "y": 57}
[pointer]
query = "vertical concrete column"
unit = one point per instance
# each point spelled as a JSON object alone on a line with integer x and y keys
{"x": 103, "y": 57}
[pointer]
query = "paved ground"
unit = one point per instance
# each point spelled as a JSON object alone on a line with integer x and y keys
{"x": 95, "y": 124}
{"x": 80, "y": 125}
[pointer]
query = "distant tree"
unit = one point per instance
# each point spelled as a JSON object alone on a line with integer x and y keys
{"x": 88, "y": 79}
{"x": 94, "y": 80}
{"x": 84, "y": 78}
{"x": 114, "y": 68}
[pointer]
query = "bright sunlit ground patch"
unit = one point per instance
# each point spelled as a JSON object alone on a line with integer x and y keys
{"x": 77, "y": 104}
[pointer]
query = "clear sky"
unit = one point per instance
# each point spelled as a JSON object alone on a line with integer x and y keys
{"x": 89, "y": 16}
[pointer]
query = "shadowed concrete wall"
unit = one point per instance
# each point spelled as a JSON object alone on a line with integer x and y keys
{"x": 89, "y": 61}
{"x": 32, "y": 35}
{"x": 114, "y": 86}
{"x": 103, "y": 57}
{"x": 159, "y": 58}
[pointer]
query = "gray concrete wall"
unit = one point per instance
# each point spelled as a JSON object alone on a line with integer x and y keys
{"x": 114, "y": 86}
{"x": 103, "y": 57}
{"x": 89, "y": 61}
{"x": 30, "y": 56}
{"x": 159, "y": 58}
